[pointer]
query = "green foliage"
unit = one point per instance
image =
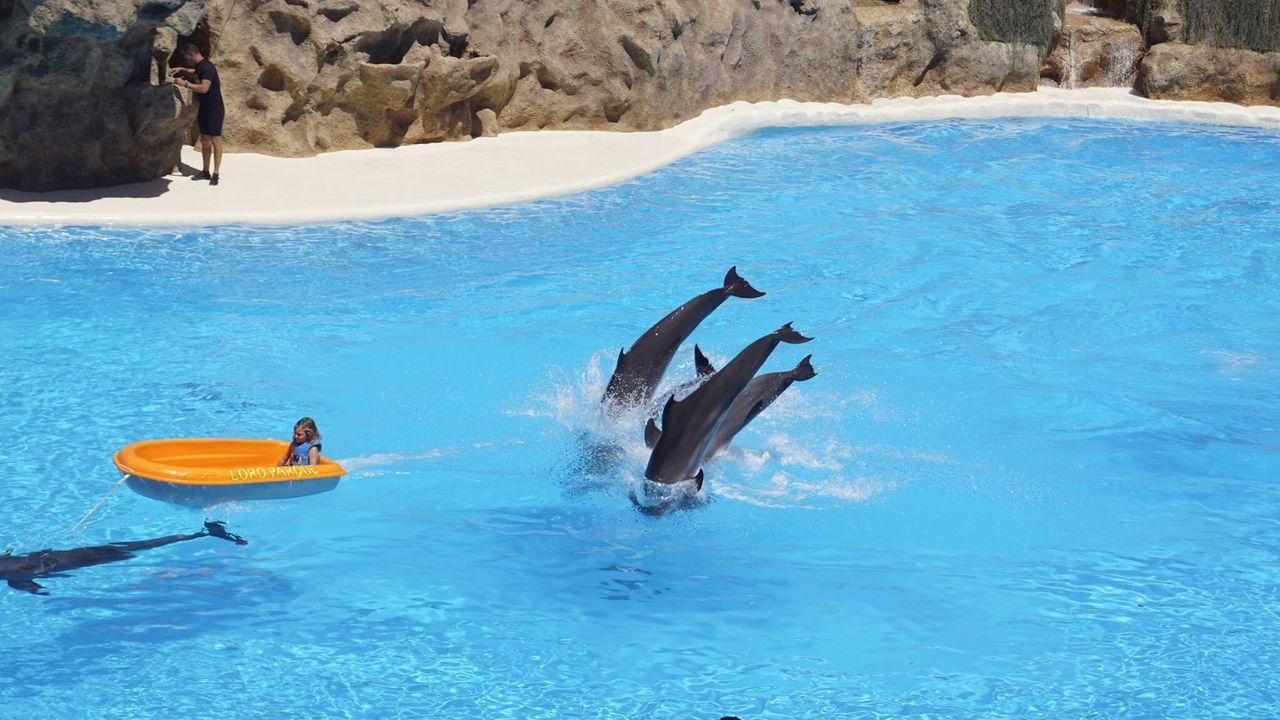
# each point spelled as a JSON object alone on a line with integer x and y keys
{"x": 1026, "y": 21}
{"x": 1249, "y": 24}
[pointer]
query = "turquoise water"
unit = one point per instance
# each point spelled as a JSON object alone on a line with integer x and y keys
{"x": 1036, "y": 475}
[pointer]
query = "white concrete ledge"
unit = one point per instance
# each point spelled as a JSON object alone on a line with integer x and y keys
{"x": 520, "y": 166}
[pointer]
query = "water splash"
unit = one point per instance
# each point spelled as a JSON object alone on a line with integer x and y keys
{"x": 796, "y": 464}
{"x": 361, "y": 466}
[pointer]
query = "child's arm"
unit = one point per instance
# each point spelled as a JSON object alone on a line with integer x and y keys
{"x": 288, "y": 455}
{"x": 313, "y": 455}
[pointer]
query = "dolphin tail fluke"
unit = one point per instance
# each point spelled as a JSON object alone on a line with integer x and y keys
{"x": 787, "y": 335}
{"x": 651, "y": 434}
{"x": 697, "y": 481}
{"x": 218, "y": 529}
{"x": 804, "y": 370}
{"x": 736, "y": 286}
{"x": 701, "y": 364}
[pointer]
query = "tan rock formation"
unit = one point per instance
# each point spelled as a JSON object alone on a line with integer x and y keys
{"x": 1173, "y": 71}
{"x": 78, "y": 107}
{"x": 307, "y": 76}
{"x": 447, "y": 89}
{"x": 1211, "y": 50}
{"x": 1163, "y": 22}
{"x": 966, "y": 61}
{"x": 302, "y": 76}
{"x": 1205, "y": 49}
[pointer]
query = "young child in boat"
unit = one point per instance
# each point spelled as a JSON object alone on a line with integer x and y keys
{"x": 305, "y": 448}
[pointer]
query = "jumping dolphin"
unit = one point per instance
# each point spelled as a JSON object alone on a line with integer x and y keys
{"x": 20, "y": 571}
{"x": 760, "y": 393}
{"x": 689, "y": 424}
{"x": 639, "y": 369}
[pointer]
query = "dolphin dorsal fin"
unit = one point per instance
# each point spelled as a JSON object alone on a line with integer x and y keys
{"x": 669, "y": 408}
{"x": 701, "y": 364}
{"x": 651, "y": 434}
{"x": 697, "y": 481}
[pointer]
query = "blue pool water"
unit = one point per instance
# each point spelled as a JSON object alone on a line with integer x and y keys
{"x": 1036, "y": 475}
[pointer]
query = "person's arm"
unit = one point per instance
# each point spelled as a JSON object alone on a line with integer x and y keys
{"x": 200, "y": 87}
{"x": 288, "y": 454}
{"x": 313, "y": 456}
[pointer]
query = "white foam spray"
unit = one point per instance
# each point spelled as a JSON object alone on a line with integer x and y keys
{"x": 374, "y": 465}
{"x": 797, "y": 463}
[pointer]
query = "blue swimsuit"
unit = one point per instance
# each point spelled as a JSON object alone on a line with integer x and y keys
{"x": 300, "y": 453}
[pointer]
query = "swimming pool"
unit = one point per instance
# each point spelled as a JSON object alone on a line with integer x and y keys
{"x": 1034, "y": 477}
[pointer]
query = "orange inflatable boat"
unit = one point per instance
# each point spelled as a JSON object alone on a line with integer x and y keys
{"x": 207, "y": 471}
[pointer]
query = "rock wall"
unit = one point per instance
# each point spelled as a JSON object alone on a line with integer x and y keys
{"x": 302, "y": 76}
{"x": 79, "y": 103}
{"x": 1176, "y": 71}
{"x": 81, "y": 84}
{"x": 1226, "y": 50}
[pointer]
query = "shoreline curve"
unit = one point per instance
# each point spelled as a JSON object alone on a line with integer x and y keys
{"x": 519, "y": 167}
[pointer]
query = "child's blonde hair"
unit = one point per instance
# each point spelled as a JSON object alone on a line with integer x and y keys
{"x": 309, "y": 427}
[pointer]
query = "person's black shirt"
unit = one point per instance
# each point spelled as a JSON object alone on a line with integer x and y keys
{"x": 211, "y": 100}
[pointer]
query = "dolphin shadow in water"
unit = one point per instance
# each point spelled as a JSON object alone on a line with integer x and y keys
{"x": 689, "y": 425}
{"x": 21, "y": 571}
{"x": 592, "y": 463}
{"x": 639, "y": 369}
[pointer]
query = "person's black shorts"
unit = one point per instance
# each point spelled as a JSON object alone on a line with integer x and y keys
{"x": 210, "y": 121}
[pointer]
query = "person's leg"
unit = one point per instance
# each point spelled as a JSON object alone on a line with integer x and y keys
{"x": 217, "y": 153}
{"x": 206, "y": 149}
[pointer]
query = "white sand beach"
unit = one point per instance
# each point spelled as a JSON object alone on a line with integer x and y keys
{"x": 521, "y": 166}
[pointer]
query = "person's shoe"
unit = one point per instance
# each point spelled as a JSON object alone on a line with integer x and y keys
{"x": 202, "y": 175}
{"x": 214, "y": 179}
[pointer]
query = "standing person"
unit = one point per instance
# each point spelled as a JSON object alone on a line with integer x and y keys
{"x": 305, "y": 448}
{"x": 209, "y": 115}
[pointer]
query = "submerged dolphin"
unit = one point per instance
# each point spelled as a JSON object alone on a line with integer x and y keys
{"x": 688, "y": 425}
{"x": 759, "y": 394}
{"x": 20, "y": 571}
{"x": 639, "y": 369}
